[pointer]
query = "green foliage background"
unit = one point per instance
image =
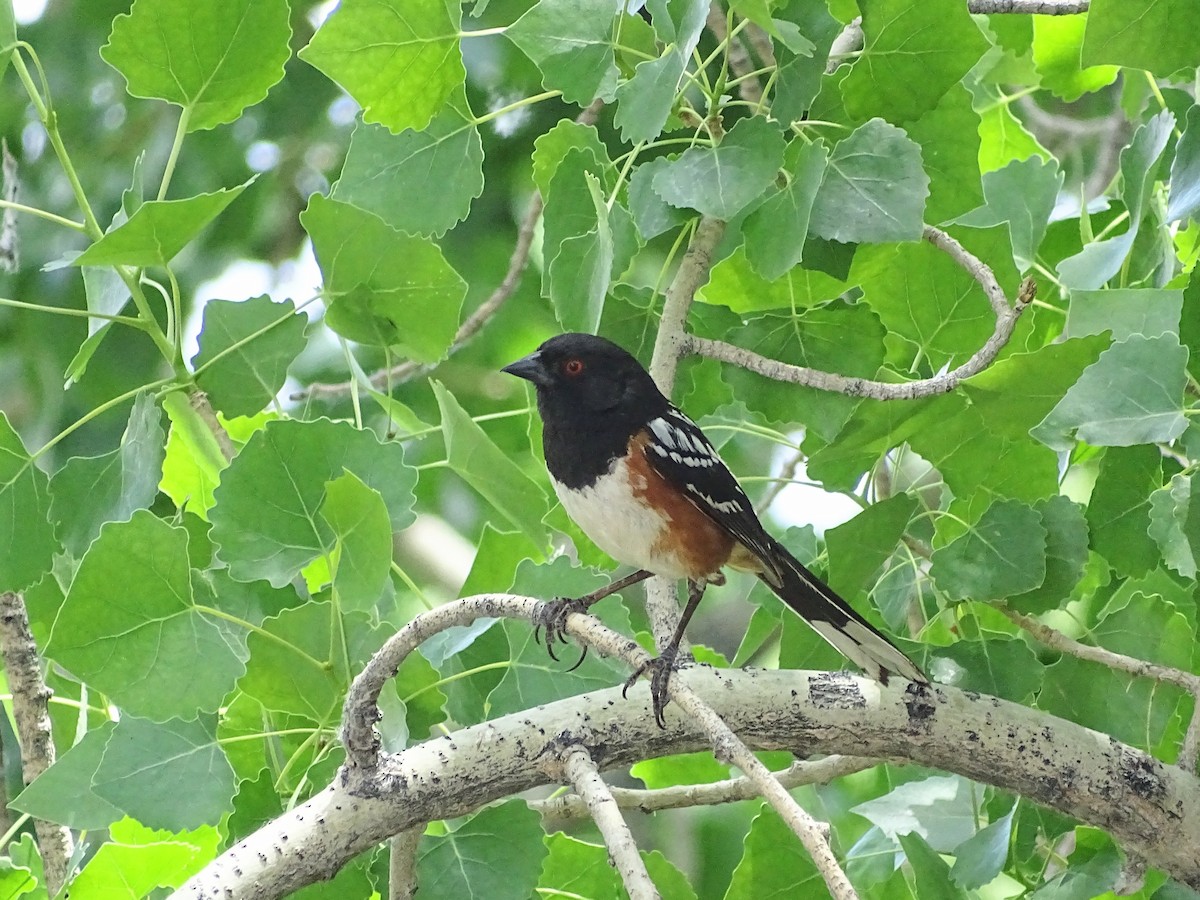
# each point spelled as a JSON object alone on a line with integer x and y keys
{"x": 201, "y": 619}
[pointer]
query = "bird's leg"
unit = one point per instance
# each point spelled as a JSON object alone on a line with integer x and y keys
{"x": 553, "y": 614}
{"x": 666, "y": 662}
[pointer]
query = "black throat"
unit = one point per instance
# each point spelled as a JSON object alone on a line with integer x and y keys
{"x": 581, "y": 444}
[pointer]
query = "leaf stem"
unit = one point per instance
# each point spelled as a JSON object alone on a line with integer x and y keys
{"x": 262, "y": 632}
{"x": 98, "y": 411}
{"x": 181, "y": 130}
{"x": 49, "y": 216}
{"x": 75, "y": 313}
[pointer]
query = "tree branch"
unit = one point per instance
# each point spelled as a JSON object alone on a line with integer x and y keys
{"x": 474, "y": 323}
{"x": 1029, "y": 7}
{"x": 31, "y": 710}
{"x": 568, "y": 807}
{"x": 1151, "y": 809}
{"x": 1139, "y": 668}
{"x": 1006, "y": 321}
{"x": 579, "y": 768}
{"x": 402, "y": 863}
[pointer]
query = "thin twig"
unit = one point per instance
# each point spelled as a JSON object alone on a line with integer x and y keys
{"x": 473, "y": 324}
{"x": 1139, "y": 668}
{"x": 568, "y": 807}
{"x": 1029, "y": 7}
{"x": 580, "y": 769}
{"x": 740, "y": 63}
{"x": 31, "y": 710}
{"x": 1006, "y": 321}
{"x": 402, "y": 864}
{"x": 730, "y": 748}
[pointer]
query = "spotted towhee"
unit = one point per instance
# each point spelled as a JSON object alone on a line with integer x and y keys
{"x": 643, "y": 482}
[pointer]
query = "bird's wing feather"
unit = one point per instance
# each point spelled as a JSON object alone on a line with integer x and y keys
{"x": 679, "y": 452}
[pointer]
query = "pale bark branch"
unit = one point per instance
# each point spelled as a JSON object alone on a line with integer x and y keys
{"x": 581, "y": 771}
{"x": 402, "y": 863}
{"x": 31, "y": 711}
{"x": 1131, "y": 665}
{"x": 1006, "y": 321}
{"x": 1029, "y": 7}
{"x": 569, "y": 807}
{"x": 1151, "y": 809}
{"x": 474, "y": 323}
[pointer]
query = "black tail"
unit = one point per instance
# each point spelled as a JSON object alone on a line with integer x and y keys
{"x": 836, "y": 621}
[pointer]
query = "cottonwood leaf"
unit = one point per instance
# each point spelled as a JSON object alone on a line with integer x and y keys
{"x": 400, "y": 59}
{"x": 497, "y": 853}
{"x": 1003, "y": 553}
{"x": 874, "y": 188}
{"x": 212, "y": 57}
{"x": 571, "y": 43}
{"x": 288, "y": 464}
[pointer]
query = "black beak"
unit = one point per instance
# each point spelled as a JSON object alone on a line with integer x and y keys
{"x": 530, "y": 368}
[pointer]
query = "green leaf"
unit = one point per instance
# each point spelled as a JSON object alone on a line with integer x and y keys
{"x": 8, "y": 32}
{"x": 391, "y": 175}
{"x": 156, "y": 652}
{"x": 89, "y": 491}
{"x": 400, "y": 59}
{"x": 775, "y": 232}
{"x": 861, "y": 546}
{"x": 735, "y": 284}
{"x": 1152, "y": 35}
{"x": 64, "y": 793}
{"x": 575, "y": 868}
{"x": 925, "y": 298}
{"x": 580, "y": 272}
{"x": 1066, "y": 555}
{"x": 363, "y": 552}
{"x": 800, "y": 76}
{"x": 1099, "y": 261}
{"x": 484, "y": 466}
{"x": 384, "y": 287}
{"x": 1118, "y": 513}
{"x": 930, "y": 871}
{"x": 158, "y": 230}
{"x": 644, "y": 101}
{"x": 106, "y": 293}
{"x": 552, "y": 147}
{"x": 940, "y": 808}
{"x": 1125, "y": 312}
{"x": 1057, "y": 44}
{"x": 1023, "y": 194}
{"x": 773, "y": 863}
{"x": 212, "y": 58}
{"x": 136, "y": 860}
{"x": 1133, "y": 394}
{"x": 949, "y": 138}
{"x": 1134, "y": 710}
{"x": 651, "y": 213}
{"x": 291, "y": 462}
{"x": 26, "y": 531}
{"x": 571, "y": 42}
{"x": 1184, "y": 198}
{"x": 497, "y": 854}
{"x": 145, "y": 763}
{"x": 874, "y": 188}
{"x": 1004, "y": 553}
{"x": 913, "y": 54}
{"x": 981, "y": 857}
{"x": 245, "y": 350}
{"x": 292, "y": 669}
{"x": 723, "y": 180}
{"x": 1170, "y": 516}
{"x": 1001, "y": 667}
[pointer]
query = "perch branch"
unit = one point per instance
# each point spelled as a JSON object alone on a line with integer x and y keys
{"x": 579, "y": 768}
{"x": 1029, "y": 7}
{"x": 1151, "y": 809}
{"x": 31, "y": 710}
{"x": 474, "y": 323}
{"x": 568, "y": 807}
{"x": 1139, "y": 668}
{"x": 1006, "y": 320}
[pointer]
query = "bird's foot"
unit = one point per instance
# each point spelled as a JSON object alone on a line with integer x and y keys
{"x": 553, "y": 617}
{"x": 660, "y": 675}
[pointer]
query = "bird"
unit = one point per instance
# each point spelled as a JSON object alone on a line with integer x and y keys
{"x": 645, "y": 484}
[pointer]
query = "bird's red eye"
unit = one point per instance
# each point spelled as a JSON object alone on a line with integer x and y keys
{"x": 573, "y": 366}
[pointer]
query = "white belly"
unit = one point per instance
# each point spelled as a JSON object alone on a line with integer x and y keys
{"x": 618, "y": 521}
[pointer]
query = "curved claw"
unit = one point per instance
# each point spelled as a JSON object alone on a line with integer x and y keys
{"x": 579, "y": 662}
{"x": 662, "y": 667}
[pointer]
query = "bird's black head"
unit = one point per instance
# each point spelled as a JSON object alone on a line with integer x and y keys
{"x": 586, "y": 373}
{"x": 590, "y": 393}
